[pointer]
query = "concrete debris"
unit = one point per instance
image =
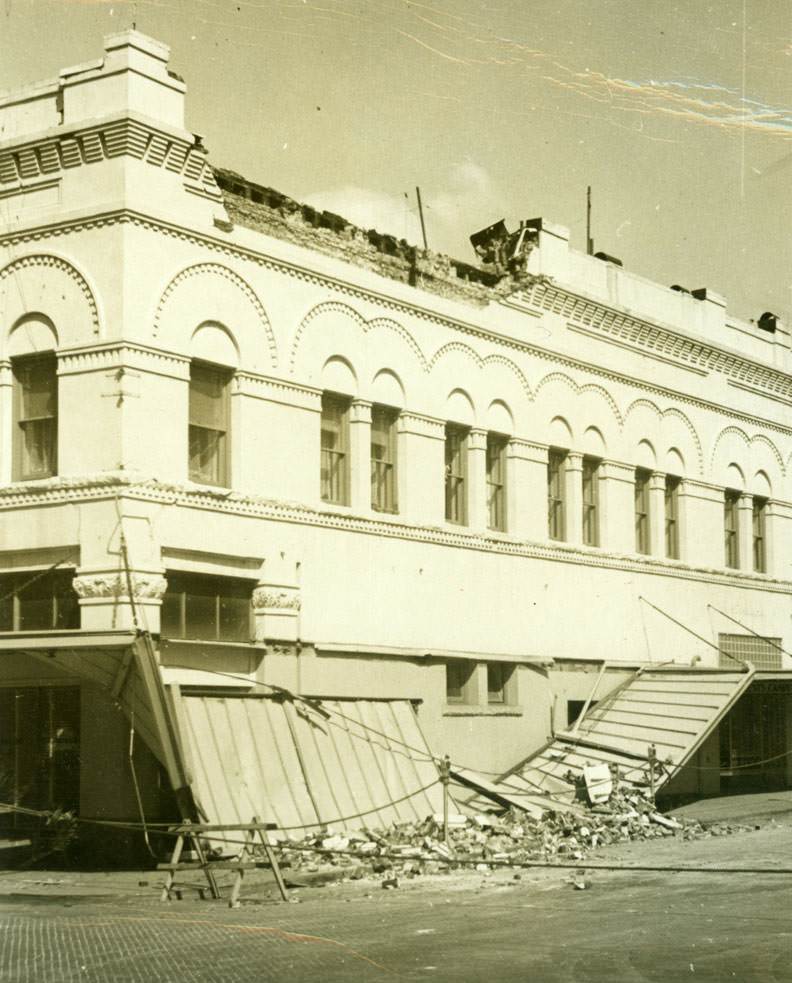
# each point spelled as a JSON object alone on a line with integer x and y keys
{"x": 486, "y": 841}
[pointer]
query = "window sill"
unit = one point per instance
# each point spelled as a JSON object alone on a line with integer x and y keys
{"x": 477, "y": 710}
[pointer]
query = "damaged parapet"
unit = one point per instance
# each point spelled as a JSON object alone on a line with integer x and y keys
{"x": 273, "y": 213}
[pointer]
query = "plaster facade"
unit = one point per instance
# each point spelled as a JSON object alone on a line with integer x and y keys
{"x": 124, "y": 254}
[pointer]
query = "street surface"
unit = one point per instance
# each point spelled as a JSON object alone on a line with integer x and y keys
{"x": 624, "y": 926}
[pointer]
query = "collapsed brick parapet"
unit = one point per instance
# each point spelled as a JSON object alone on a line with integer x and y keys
{"x": 273, "y": 213}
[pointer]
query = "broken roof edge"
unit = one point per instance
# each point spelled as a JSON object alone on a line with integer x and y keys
{"x": 271, "y": 212}
{"x": 429, "y": 652}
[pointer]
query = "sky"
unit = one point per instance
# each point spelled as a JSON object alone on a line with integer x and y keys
{"x": 679, "y": 116}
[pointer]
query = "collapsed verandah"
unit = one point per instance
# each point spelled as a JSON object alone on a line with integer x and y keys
{"x": 304, "y": 763}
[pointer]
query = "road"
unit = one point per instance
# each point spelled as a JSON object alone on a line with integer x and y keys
{"x": 624, "y": 927}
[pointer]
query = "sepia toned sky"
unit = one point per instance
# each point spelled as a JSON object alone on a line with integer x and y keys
{"x": 678, "y": 114}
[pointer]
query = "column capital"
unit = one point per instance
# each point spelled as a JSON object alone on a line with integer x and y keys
{"x": 477, "y": 439}
{"x": 574, "y": 461}
{"x": 657, "y": 481}
{"x": 361, "y": 411}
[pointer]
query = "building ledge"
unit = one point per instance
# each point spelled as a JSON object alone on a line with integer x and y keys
{"x": 482, "y": 711}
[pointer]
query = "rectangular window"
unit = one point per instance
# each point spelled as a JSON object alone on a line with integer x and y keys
{"x": 591, "y": 501}
{"x": 208, "y": 434}
{"x": 759, "y": 535}
{"x": 334, "y": 466}
{"x": 207, "y": 608}
{"x": 496, "y": 480}
{"x": 642, "y": 479}
{"x": 35, "y": 449}
{"x": 459, "y": 679}
{"x": 43, "y": 601}
{"x": 672, "y": 516}
{"x": 383, "y": 458}
{"x": 456, "y": 474}
{"x": 763, "y": 652}
{"x": 731, "y": 541}
{"x": 499, "y": 675}
{"x": 555, "y": 493}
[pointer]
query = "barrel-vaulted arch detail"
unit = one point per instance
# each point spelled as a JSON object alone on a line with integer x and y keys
{"x": 47, "y": 285}
{"x": 211, "y": 292}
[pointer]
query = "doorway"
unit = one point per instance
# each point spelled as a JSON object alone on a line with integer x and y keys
{"x": 753, "y": 740}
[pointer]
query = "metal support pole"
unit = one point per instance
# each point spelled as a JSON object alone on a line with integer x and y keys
{"x": 445, "y": 778}
{"x": 421, "y": 215}
{"x": 652, "y": 755}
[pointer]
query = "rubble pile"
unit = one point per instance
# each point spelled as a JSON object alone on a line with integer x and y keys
{"x": 485, "y": 841}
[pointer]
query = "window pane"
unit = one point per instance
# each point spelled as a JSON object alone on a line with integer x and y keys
{"x": 496, "y": 681}
{"x": 383, "y": 458}
{"x": 672, "y": 517}
{"x": 456, "y": 472}
{"x": 759, "y": 550}
{"x": 458, "y": 673}
{"x": 36, "y": 408}
{"x": 208, "y": 397}
{"x": 642, "y": 511}
{"x": 496, "y": 480}
{"x": 200, "y": 610}
{"x": 38, "y": 384}
{"x": 555, "y": 494}
{"x": 730, "y": 527}
{"x": 171, "y": 613}
{"x": 206, "y": 607}
{"x": 207, "y": 455}
{"x": 590, "y": 479}
{"x": 333, "y": 468}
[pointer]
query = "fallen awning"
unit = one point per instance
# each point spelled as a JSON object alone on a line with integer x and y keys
{"x": 673, "y": 709}
{"x": 343, "y": 763}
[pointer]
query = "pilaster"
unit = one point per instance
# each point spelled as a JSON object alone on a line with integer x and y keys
{"x": 421, "y": 464}
{"x": 6, "y": 422}
{"x": 117, "y": 599}
{"x": 477, "y": 480}
{"x": 745, "y": 532}
{"x": 573, "y": 495}
{"x": 657, "y": 484}
{"x": 526, "y": 490}
{"x": 617, "y": 507}
{"x": 360, "y": 456}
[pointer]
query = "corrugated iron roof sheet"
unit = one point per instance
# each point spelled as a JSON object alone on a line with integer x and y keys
{"x": 367, "y": 764}
{"x": 673, "y": 709}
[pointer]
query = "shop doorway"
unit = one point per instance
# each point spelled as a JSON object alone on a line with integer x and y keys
{"x": 753, "y": 740}
{"x": 39, "y": 748}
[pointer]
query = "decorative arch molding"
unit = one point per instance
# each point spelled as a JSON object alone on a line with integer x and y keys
{"x": 760, "y": 438}
{"x": 737, "y": 432}
{"x": 671, "y": 412}
{"x": 218, "y": 270}
{"x": 578, "y": 389}
{"x": 481, "y": 362}
{"x": 336, "y": 307}
{"x": 51, "y": 261}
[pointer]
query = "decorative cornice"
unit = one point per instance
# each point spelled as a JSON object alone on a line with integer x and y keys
{"x": 278, "y": 390}
{"x": 649, "y": 338}
{"x": 291, "y": 269}
{"x": 147, "y": 587}
{"x": 126, "y": 136}
{"x": 234, "y": 503}
{"x": 423, "y": 426}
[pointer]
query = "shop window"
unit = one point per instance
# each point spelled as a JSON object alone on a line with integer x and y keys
{"x": 496, "y": 481}
{"x": 642, "y": 479}
{"x": 763, "y": 652}
{"x": 460, "y": 681}
{"x": 208, "y": 428}
{"x": 556, "y": 462}
{"x": 383, "y": 458}
{"x": 591, "y": 501}
{"x": 35, "y": 444}
{"x": 731, "y": 539}
{"x": 334, "y": 465}
{"x": 499, "y": 678}
{"x": 759, "y": 535}
{"x": 456, "y": 442}
{"x": 45, "y": 601}
{"x": 672, "y": 516}
{"x": 207, "y": 608}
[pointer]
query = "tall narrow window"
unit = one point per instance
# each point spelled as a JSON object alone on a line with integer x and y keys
{"x": 334, "y": 468}
{"x": 459, "y": 681}
{"x": 731, "y": 542}
{"x": 555, "y": 493}
{"x": 759, "y": 535}
{"x": 456, "y": 474}
{"x": 208, "y": 434}
{"x": 642, "y": 479}
{"x": 499, "y": 676}
{"x": 591, "y": 501}
{"x": 383, "y": 458}
{"x": 36, "y": 417}
{"x": 496, "y": 480}
{"x": 672, "y": 516}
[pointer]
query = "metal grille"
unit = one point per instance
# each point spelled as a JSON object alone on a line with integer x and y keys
{"x": 764, "y": 653}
